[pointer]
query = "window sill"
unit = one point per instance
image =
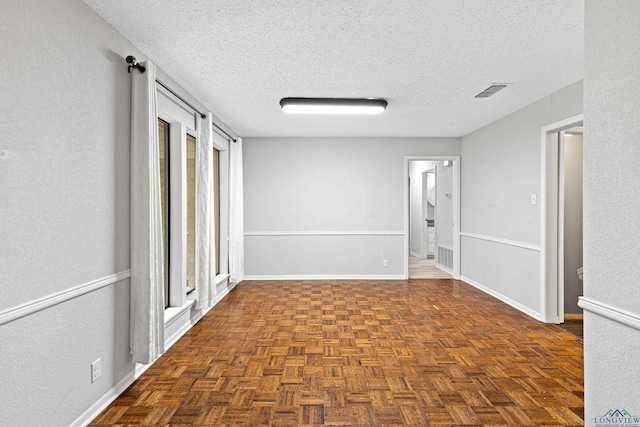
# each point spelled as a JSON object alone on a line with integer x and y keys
{"x": 171, "y": 313}
{"x": 221, "y": 278}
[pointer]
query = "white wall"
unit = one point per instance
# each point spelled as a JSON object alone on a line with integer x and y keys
{"x": 611, "y": 207}
{"x": 500, "y": 171}
{"x": 337, "y": 204}
{"x": 444, "y": 206}
{"x": 416, "y": 169}
{"x": 572, "y": 222}
{"x": 64, "y": 210}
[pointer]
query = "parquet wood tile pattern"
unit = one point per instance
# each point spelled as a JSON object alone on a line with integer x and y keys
{"x": 360, "y": 353}
{"x": 573, "y": 326}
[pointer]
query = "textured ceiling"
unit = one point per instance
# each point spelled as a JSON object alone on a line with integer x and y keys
{"x": 428, "y": 58}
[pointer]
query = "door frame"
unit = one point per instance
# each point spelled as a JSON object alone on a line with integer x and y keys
{"x": 551, "y": 227}
{"x": 424, "y": 209}
{"x": 456, "y": 209}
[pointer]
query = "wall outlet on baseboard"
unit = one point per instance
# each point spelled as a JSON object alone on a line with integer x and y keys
{"x": 385, "y": 263}
{"x": 96, "y": 370}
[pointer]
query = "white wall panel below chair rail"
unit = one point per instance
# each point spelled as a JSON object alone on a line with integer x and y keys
{"x": 324, "y": 254}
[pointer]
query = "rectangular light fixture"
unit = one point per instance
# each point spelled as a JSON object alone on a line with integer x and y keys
{"x": 333, "y": 105}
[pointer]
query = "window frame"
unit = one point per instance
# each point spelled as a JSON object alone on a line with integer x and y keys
{"x": 221, "y": 143}
{"x": 181, "y": 122}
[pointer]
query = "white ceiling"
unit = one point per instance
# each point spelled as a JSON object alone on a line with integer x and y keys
{"x": 428, "y": 58}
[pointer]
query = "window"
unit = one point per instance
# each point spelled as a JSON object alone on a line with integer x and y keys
{"x": 177, "y": 145}
{"x": 216, "y": 206}
{"x": 191, "y": 214}
{"x": 163, "y": 144}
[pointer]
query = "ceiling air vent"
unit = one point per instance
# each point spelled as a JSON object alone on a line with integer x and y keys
{"x": 491, "y": 90}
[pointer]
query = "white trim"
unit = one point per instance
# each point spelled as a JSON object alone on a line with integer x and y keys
{"x": 502, "y": 241}
{"x": 111, "y": 395}
{"x": 456, "y": 210}
{"x": 327, "y": 277}
{"x": 444, "y": 267}
{"x": 172, "y": 313}
{"x": 106, "y": 399}
{"x": 323, "y": 233}
{"x": 610, "y": 312}
{"x": 544, "y": 287}
{"x": 31, "y": 307}
{"x": 221, "y": 278}
{"x": 225, "y": 293}
{"x": 505, "y": 299}
{"x": 561, "y": 200}
{"x": 415, "y": 254}
{"x": 193, "y": 319}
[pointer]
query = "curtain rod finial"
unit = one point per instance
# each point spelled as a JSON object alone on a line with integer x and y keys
{"x": 131, "y": 60}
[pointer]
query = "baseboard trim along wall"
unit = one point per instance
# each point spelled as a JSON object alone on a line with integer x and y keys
{"x": 505, "y": 299}
{"x": 502, "y": 241}
{"x": 328, "y": 277}
{"x": 194, "y": 316}
{"x": 324, "y": 233}
{"x": 108, "y": 397}
{"x": 610, "y": 312}
{"x": 31, "y": 307}
{"x": 444, "y": 268}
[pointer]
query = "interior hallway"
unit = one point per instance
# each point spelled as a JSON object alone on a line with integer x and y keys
{"x": 435, "y": 352}
{"x": 425, "y": 268}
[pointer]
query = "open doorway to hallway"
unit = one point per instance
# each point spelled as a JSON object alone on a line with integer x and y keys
{"x": 562, "y": 224}
{"x": 425, "y": 268}
{"x": 432, "y": 211}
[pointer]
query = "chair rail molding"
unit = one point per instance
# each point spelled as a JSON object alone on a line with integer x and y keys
{"x": 30, "y": 307}
{"x": 610, "y": 312}
{"x": 501, "y": 241}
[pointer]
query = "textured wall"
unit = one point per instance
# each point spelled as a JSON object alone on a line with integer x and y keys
{"x": 328, "y": 185}
{"x": 500, "y": 170}
{"x": 611, "y": 204}
{"x": 65, "y": 208}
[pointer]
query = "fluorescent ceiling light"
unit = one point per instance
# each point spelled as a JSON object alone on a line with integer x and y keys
{"x": 333, "y": 105}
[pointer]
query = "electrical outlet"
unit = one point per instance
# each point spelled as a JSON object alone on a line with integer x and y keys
{"x": 534, "y": 199}
{"x": 96, "y": 370}
{"x": 385, "y": 263}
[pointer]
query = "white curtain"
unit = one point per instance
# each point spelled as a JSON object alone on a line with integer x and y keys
{"x": 205, "y": 247}
{"x": 236, "y": 213}
{"x": 147, "y": 281}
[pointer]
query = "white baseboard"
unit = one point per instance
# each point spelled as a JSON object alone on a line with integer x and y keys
{"x": 415, "y": 254}
{"x": 444, "y": 268}
{"x": 95, "y": 409}
{"x": 328, "y": 277}
{"x": 505, "y": 299}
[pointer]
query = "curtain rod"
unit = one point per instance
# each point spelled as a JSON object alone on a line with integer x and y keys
{"x": 131, "y": 60}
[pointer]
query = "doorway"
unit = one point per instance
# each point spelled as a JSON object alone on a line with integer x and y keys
{"x": 432, "y": 210}
{"x": 561, "y": 222}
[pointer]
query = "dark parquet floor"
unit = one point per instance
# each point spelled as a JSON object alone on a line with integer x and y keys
{"x": 573, "y": 326}
{"x": 366, "y": 353}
